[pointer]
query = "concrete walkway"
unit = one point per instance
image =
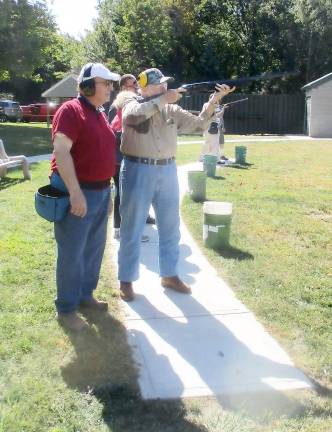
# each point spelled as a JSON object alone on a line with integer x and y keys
{"x": 39, "y": 158}
{"x": 207, "y": 343}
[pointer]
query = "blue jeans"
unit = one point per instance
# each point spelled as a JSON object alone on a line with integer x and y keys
{"x": 140, "y": 186}
{"x": 81, "y": 243}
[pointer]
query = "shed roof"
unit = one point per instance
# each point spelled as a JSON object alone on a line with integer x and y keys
{"x": 317, "y": 82}
{"x": 65, "y": 88}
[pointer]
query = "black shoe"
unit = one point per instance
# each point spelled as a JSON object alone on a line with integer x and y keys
{"x": 150, "y": 220}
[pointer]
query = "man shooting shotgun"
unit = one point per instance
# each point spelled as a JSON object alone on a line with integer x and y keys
{"x": 214, "y": 138}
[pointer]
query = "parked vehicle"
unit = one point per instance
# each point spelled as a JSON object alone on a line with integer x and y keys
{"x": 2, "y": 115}
{"x": 38, "y": 112}
{"x": 10, "y": 111}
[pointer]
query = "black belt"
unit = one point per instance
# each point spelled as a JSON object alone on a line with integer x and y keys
{"x": 148, "y": 161}
{"x": 95, "y": 185}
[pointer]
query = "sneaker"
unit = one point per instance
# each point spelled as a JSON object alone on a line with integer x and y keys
{"x": 72, "y": 321}
{"x": 94, "y": 304}
{"x": 116, "y": 234}
{"x": 222, "y": 160}
{"x": 145, "y": 238}
{"x": 150, "y": 220}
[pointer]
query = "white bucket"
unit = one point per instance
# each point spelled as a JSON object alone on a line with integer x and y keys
{"x": 217, "y": 208}
{"x": 216, "y": 224}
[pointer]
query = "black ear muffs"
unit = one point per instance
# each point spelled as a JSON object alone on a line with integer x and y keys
{"x": 88, "y": 86}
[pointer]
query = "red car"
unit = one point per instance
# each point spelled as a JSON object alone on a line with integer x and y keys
{"x": 38, "y": 112}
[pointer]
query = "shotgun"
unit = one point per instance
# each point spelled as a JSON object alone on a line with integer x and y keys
{"x": 236, "y": 101}
{"x": 209, "y": 86}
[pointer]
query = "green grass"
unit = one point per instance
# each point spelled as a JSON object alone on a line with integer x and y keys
{"x": 40, "y": 125}
{"x": 280, "y": 258}
{"x": 57, "y": 382}
{"x": 29, "y": 139}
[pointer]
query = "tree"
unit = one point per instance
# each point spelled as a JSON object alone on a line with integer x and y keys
{"x": 26, "y": 29}
{"x": 130, "y": 36}
{"x": 314, "y": 40}
{"x": 210, "y": 39}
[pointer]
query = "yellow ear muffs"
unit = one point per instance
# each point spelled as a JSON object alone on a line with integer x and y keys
{"x": 142, "y": 79}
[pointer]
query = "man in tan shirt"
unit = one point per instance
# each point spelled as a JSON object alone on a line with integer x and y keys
{"x": 148, "y": 174}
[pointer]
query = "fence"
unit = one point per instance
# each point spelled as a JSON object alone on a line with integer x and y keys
{"x": 275, "y": 114}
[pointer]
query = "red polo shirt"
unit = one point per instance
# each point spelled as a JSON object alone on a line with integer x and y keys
{"x": 93, "y": 149}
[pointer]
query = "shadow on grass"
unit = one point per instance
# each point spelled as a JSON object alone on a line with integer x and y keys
{"x": 323, "y": 391}
{"x": 243, "y": 166}
{"x": 262, "y": 405}
{"x": 218, "y": 177}
{"x": 6, "y": 182}
{"x": 103, "y": 367}
{"x": 127, "y": 412}
{"x": 231, "y": 252}
{"x": 289, "y": 404}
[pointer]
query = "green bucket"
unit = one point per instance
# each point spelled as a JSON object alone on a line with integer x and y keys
{"x": 197, "y": 185}
{"x": 240, "y": 154}
{"x": 209, "y": 165}
{"x": 217, "y": 224}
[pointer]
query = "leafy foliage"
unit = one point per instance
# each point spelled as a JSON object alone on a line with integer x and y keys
{"x": 26, "y": 30}
{"x": 211, "y": 39}
{"x": 190, "y": 40}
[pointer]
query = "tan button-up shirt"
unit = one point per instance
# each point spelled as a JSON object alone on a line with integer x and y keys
{"x": 150, "y": 128}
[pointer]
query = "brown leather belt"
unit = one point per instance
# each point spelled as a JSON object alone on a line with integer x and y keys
{"x": 148, "y": 161}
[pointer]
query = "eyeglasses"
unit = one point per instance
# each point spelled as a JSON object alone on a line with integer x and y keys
{"x": 105, "y": 83}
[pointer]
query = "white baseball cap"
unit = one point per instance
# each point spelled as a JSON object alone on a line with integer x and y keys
{"x": 93, "y": 70}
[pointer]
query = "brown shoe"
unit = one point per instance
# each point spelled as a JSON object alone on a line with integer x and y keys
{"x": 126, "y": 291}
{"x": 94, "y": 304}
{"x": 72, "y": 321}
{"x": 176, "y": 284}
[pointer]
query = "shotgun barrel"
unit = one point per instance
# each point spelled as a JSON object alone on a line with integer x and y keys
{"x": 209, "y": 86}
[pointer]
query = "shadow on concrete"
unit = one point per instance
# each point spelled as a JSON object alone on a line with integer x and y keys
{"x": 149, "y": 256}
{"x": 238, "y": 364}
{"x": 103, "y": 368}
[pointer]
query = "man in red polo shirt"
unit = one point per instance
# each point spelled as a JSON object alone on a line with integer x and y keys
{"x": 83, "y": 163}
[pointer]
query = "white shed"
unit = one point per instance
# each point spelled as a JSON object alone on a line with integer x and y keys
{"x": 318, "y": 95}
